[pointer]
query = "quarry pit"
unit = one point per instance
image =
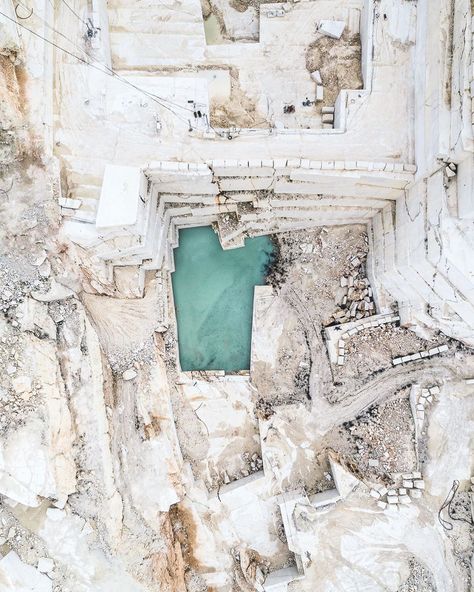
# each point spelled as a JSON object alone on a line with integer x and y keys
{"x": 237, "y": 296}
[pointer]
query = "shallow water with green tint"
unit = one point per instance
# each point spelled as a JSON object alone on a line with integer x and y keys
{"x": 213, "y": 297}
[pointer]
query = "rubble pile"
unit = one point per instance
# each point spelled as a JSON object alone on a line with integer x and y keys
{"x": 252, "y": 464}
{"x": 420, "y": 578}
{"x": 16, "y": 281}
{"x": 381, "y": 440}
{"x": 356, "y": 297}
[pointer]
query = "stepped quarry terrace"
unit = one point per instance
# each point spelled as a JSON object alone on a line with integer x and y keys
{"x": 236, "y": 296}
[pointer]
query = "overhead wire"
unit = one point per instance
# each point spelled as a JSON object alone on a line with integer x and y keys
{"x": 148, "y": 93}
{"x": 104, "y": 69}
{"x": 75, "y": 13}
{"x": 209, "y": 124}
{"x": 108, "y": 71}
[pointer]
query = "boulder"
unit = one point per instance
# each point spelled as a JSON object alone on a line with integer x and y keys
{"x": 332, "y": 29}
{"x": 129, "y": 374}
{"x": 17, "y": 576}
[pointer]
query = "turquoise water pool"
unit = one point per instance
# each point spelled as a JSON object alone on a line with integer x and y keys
{"x": 213, "y": 296}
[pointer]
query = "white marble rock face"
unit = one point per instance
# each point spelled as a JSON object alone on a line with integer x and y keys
{"x": 342, "y": 128}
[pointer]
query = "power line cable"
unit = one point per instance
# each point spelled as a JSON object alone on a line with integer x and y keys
{"x": 111, "y": 73}
{"x": 147, "y": 93}
{"x": 107, "y": 72}
{"x": 210, "y": 126}
{"x": 75, "y": 13}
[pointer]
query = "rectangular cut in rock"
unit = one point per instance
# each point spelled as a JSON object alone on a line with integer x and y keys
{"x": 255, "y": 163}
{"x": 231, "y": 163}
{"x": 173, "y": 166}
{"x": 277, "y": 581}
{"x": 328, "y": 164}
{"x": 66, "y": 202}
{"x": 120, "y": 197}
{"x": 319, "y": 92}
{"x": 325, "y": 498}
{"x": 332, "y": 29}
